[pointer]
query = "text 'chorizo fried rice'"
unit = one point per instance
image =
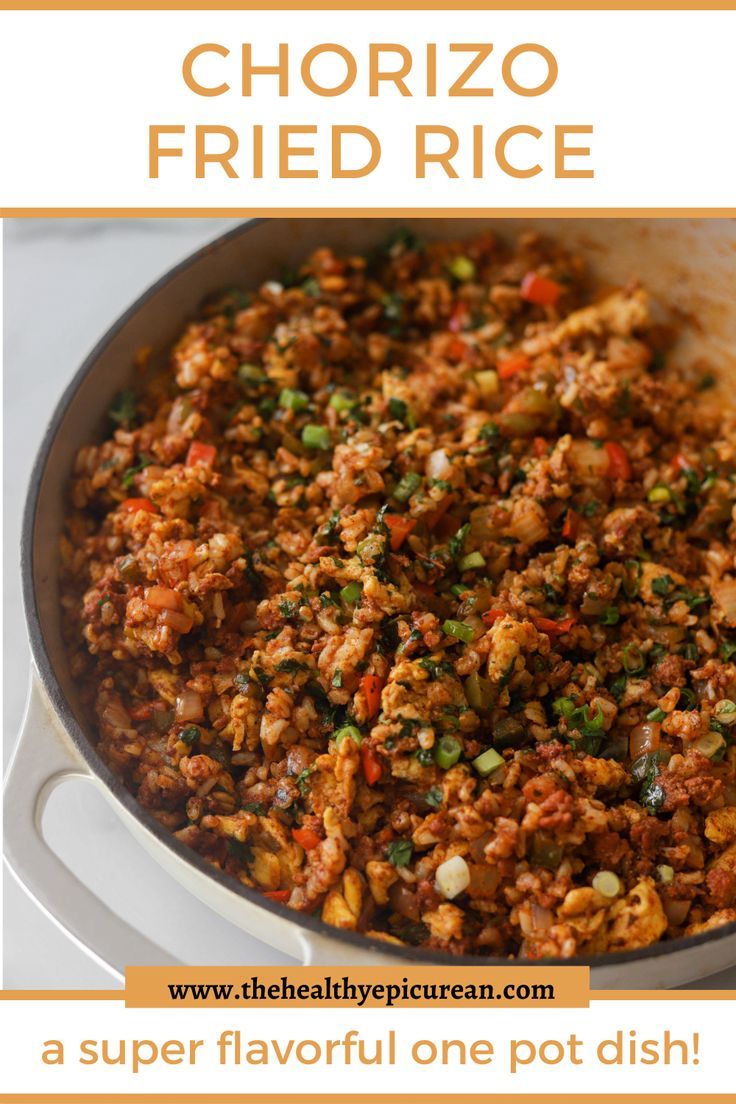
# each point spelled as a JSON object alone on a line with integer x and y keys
{"x": 408, "y": 597}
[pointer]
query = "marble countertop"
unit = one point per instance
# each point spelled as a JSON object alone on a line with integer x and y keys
{"x": 65, "y": 282}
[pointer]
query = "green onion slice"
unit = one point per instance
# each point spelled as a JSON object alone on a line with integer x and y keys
{"x": 447, "y": 752}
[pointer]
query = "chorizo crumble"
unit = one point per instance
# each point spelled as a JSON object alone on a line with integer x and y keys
{"x": 408, "y": 596}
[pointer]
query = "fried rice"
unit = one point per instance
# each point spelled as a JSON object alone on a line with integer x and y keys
{"x": 407, "y": 595}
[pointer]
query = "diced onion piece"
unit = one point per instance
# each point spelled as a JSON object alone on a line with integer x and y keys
{"x": 404, "y": 901}
{"x": 525, "y": 921}
{"x": 163, "y": 598}
{"x": 533, "y": 401}
{"x": 189, "y": 706}
{"x": 179, "y": 622}
{"x": 488, "y": 762}
{"x": 676, "y": 911}
{"x": 487, "y": 382}
{"x": 709, "y": 744}
{"x": 115, "y": 714}
{"x": 528, "y": 522}
{"x": 484, "y": 879}
{"x": 644, "y": 738}
{"x": 607, "y": 883}
{"x": 541, "y": 917}
{"x": 588, "y": 459}
{"x": 667, "y": 634}
{"x": 438, "y": 465}
{"x": 487, "y": 523}
{"x": 665, "y": 873}
{"x": 479, "y": 692}
{"x": 452, "y": 877}
{"x": 724, "y": 595}
{"x": 516, "y": 424}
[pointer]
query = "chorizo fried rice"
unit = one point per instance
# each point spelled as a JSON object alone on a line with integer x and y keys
{"x": 407, "y": 595}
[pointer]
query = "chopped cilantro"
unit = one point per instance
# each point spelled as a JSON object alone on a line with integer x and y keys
{"x": 291, "y": 666}
{"x": 399, "y": 852}
{"x": 122, "y": 411}
{"x": 456, "y": 543}
{"x": 435, "y": 668}
{"x": 433, "y": 797}
{"x": 255, "y": 807}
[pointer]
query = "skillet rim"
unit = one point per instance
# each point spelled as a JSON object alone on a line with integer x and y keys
{"x": 123, "y": 797}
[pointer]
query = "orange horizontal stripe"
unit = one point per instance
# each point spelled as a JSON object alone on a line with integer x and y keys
{"x": 368, "y": 212}
{"x": 379, "y": 5}
{"x": 150, "y": 986}
{"x": 360, "y": 1098}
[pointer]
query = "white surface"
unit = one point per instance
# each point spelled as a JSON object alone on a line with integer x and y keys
{"x": 65, "y": 282}
{"x": 536, "y": 1051}
{"x": 655, "y": 99}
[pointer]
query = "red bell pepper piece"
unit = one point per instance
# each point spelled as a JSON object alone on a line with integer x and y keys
{"x": 433, "y": 517}
{"x": 456, "y": 350}
{"x": 571, "y": 527}
{"x": 512, "y": 364}
{"x": 132, "y": 505}
{"x": 492, "y": 615}
{"x": 371, "y": 764}
{"x": 553, "y": 628}
{"x": 143, "y": 711}
{"x": 399, "y": 527}
{"x": 200, "y": 453}
{"x": 540, "y": 290}
{"x": 619, "y": 465}
{"x": 278, "y": 895}
{"x": 372, "y": 685}
{"x": 306, "y": 838}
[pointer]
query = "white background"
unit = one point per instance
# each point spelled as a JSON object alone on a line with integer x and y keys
{"x": 657, "y": 87}
{"x": 20, "y": 1049}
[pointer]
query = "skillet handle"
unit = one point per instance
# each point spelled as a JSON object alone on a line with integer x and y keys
{"x": 43, "y": 760}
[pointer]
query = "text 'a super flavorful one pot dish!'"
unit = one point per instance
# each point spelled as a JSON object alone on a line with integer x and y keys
{"x": 407, "y": 596}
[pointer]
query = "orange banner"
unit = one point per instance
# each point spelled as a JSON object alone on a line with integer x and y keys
{"x": 356, "y": 987}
